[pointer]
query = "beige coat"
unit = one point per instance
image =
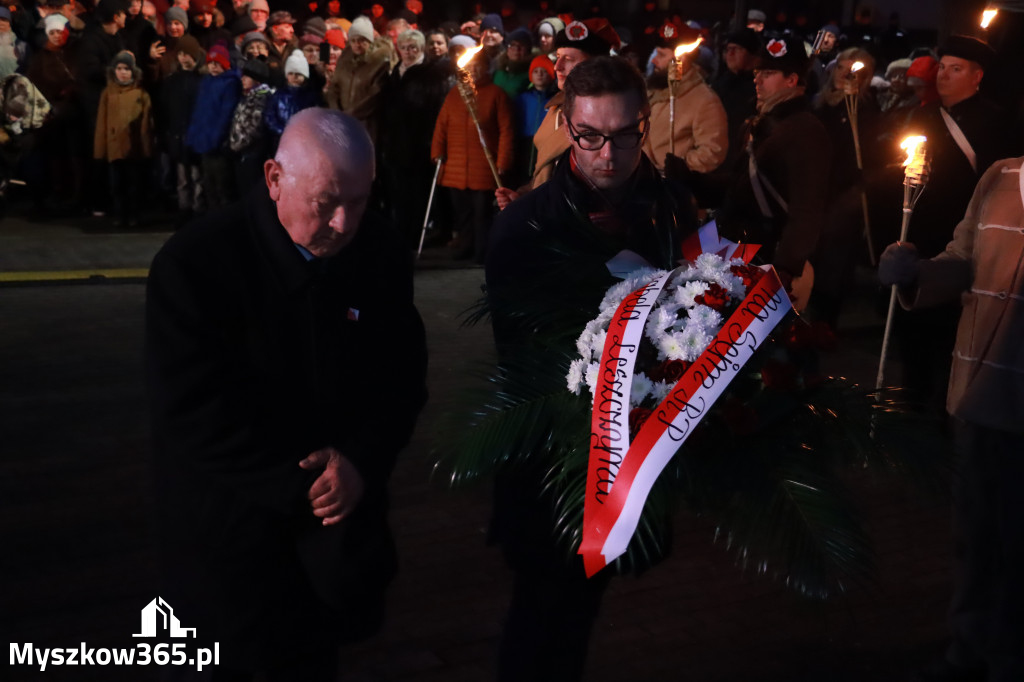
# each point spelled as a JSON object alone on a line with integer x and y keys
{"x": 701, "y": 125}
{"x": 357, "y": 86}
{"x": 550, "y": 140}
{"x": 984, "y": 265}
{"x": 124, "y": 122}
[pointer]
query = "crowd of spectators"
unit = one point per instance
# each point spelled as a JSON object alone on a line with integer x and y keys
{"x": 135, "y": 103}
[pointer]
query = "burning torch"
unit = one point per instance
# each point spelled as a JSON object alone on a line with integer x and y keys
{"x": 675, "y": 74}
{"x": 467, "y": 89}
{"x": 988, "y": 16}
{"x": 915, "y": 177}
{"x": 851, "y": 94}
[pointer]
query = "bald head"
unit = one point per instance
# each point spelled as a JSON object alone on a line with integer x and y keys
{"x": 329, "y": 136}
{"x": 320, "y": 179}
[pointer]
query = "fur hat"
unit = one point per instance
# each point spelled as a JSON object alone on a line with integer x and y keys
{"x": 361, "y": 28}
{"x": 296, "y": 63}
{"x": 176, "y": 14}
{"x": 786, "y": 54}
{"x": 55, "y": 22}
{"x": 671, "y": 34}
{"x": 594, "y": 36}
{"x": 218, "y": 53}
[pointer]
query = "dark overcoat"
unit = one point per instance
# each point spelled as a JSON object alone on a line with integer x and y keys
{"x": 255, "y": 359}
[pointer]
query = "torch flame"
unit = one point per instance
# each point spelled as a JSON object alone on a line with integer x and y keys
{"x": 468, "y": 55}
{"x": 911, "y": 145}
{"x": 987, "y": 16}
{"x": 857, "y": 66}
{"x": 688, "y": 48}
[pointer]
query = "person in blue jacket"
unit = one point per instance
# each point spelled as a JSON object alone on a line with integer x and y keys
{"x": 530, "y": 112}
{"x": 219, "y": 92}
{"x": 299, "y": 93}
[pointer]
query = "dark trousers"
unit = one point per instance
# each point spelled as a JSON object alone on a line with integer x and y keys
{"x": 473, "y": 214}
{"x": 124, "y": 187}
{"x": 987, "y": 609}
{"x": 218, "y": 183}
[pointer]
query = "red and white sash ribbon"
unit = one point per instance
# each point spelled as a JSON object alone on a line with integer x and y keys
{"x": 620, "y": 475}
{"x": 706, "y": 240}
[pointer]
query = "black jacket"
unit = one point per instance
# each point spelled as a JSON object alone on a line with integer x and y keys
{"x": 255, "y": 359}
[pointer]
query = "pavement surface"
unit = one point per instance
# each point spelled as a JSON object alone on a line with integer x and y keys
{"x": 76, "y": 547}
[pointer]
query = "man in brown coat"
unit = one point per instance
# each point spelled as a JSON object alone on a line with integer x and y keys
{"x": 983, "y": 266}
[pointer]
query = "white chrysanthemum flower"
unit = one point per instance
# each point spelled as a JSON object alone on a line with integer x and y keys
{"x": 640, "y": 388}
{"x": 597, "y": 344}
{"x": 619, "y": 291}
{"x": 686, "y": 294}
{"x": 671, "y": 347}
{"x": 706, "y": 318}
{"x": 733, "y": 284}
{"x": 693, "y": 340}
{"x": 710, "y": 263}
{"x": 660, "y": 390}
{"x": 584, "y": 342}
{"x": 658, "y": 322}
{"x": 574, "y": 379}
{"x": 590, "y": 376}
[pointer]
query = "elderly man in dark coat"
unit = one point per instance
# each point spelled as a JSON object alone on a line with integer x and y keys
{"x": 286, "y": 365}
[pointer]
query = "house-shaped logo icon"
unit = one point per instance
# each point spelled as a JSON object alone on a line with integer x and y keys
{"x": 158, "y": 616}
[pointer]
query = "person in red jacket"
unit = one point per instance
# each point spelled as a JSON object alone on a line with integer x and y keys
{"x": 466, "y": 172}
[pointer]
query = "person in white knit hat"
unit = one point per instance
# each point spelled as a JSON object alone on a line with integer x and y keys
{"x": 359, "y": 77}
{"x": 299, "y": 93}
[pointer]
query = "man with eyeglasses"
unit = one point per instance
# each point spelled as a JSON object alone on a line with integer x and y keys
{"x": 778, "y": 195}
{"x": 604, "y": 197}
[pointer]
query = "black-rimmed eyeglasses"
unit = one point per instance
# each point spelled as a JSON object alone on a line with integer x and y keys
{"x": 592, "y": 142}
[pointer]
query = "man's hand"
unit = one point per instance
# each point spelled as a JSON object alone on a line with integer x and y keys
{"x": 505, "y": 196}
{"x": 899, "y": 264}
{"x": 338, "y": 490}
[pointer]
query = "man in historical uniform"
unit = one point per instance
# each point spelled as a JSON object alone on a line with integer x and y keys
{"x": 286, "y": 365}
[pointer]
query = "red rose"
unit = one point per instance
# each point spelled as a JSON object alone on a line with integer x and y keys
{"x": 748, "y": 273}
{"x": 637, "y": 417}
{"x": 670, "y": 371}
{"x": 715, "y": 297}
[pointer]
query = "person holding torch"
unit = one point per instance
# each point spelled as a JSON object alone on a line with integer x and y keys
{"x": 688, "y": 120}
{"x": 982, "y": 268}
{"x": 474, "y": 137}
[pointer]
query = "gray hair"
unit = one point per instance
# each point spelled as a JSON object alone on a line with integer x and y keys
{"x": 412, "y": 35}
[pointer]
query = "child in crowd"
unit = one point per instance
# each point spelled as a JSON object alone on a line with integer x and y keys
{"x": 530, "y": 112}
{"x": 219, "y": 92}
{"x": 124, "y": 136}
{"x": 177, "y": 101}
{"x": 248, "y": 138}
{"x": 298, "y": 94}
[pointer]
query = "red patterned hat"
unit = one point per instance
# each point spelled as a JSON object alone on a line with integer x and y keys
{"x": 594, "y": 36}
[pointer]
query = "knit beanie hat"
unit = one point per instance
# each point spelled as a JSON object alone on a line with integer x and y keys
{"x": 259, "y": 4}
{"x": 747, "y": 38}
{"x": 461, "y": 40}
{"x": 176, "y": 14}
{"x": 253, "y": 37}
{"x": 550, "y": 26}
{"x": 316, "y": 26}
{"x": 520, "y": 35}
{"x": 242, "y": 25}
{"x": 336, "y": 37}
{"x": 361, "y": 28}
{"x": 55, "y": 22}
{"x": 542, "y": 62}
{"x": 492, "y": 22}
{"x": 296, "y": 63}
{"x": 218, "y": 53}
{"x": 190, "y": 46}
{"x": 124, "y": 57}
{"x": 257, "y": 70}
{"x": 310, "y": 39}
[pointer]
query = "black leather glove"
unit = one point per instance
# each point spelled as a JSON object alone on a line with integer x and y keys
{"x": 899, "y": 265}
